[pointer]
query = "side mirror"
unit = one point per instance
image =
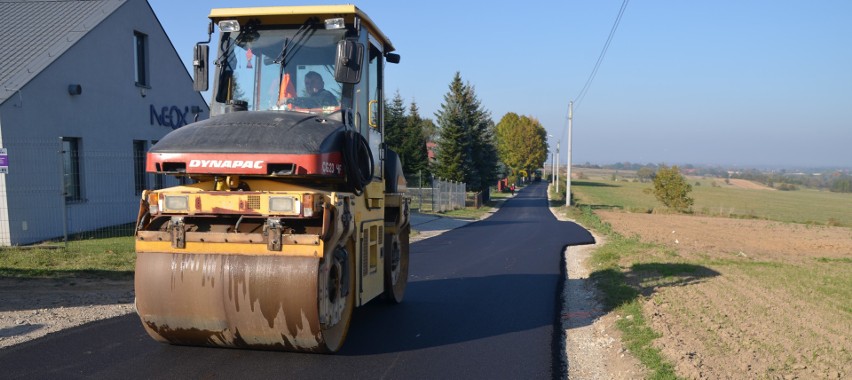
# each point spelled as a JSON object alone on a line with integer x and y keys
{"x": 392, "y": 57}
{"x": 347, "y": 66}
{"x": 199, "y": 65}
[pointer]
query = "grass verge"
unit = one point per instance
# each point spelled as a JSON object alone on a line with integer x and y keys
{"x": 105, "y": 257}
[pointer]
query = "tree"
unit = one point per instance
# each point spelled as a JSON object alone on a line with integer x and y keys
{"x": 671, "y": 188}
{"x": 465, "y": 150}
{"x": 395, "y": 123}
{"x": 645, "y": 173}
{"x": 521, "y": 142}
{"x": 412, "y": 151}
{"x": 842, "y": 184}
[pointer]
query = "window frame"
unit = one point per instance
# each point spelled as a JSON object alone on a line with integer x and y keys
{"x": 140, "y": 178}
{"x": 71, "y": 162}
{"x": 141, "y": 73}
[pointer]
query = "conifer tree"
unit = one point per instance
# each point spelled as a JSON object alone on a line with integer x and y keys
{"x": 465, "y": 149}
{"x": 413, "y": 149}
{"x": 395, "y": 122}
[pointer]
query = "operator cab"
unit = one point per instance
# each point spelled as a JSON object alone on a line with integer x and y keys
{"x": 270, "y": 59}
{"x": 323, "y": 60}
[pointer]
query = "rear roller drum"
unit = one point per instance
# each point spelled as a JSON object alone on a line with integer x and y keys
{"x": 396, "y": 265}
{"x": 337, "y": 299}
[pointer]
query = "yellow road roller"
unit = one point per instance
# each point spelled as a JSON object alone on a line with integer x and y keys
{"x": 291, "y": 210}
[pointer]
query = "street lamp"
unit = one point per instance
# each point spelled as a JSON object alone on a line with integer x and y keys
{"x": 557, "y": 165}
{"x": 552, "y": 163}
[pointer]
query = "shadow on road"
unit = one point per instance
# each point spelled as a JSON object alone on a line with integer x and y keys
{"x": 440, "y": 312}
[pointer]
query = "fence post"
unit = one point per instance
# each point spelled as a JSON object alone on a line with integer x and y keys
{"x": 456, "y": 197}
{"x": 440, "y": 195}
{"x": 63, "y": 204}
{"x": 432, "y": 186}
{"x": 420, "y": 193}
{"x": 459, "y": 196}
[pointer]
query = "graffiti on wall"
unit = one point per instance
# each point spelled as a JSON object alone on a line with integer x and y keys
{"x": 173, "y": 117}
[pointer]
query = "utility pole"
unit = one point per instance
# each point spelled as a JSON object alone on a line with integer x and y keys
{"x": 568, "y": 176}
{"x": 557, "y": 166}
{"x": 552, "y": 161}
{"x": 552, "y": 166}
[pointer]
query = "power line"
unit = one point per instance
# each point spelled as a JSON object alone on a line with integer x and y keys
{"x": 601, "y": 56}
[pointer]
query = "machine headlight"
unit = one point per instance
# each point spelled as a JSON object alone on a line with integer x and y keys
{"x": 176, "y": 203}
{"x": 334, "y": 23}
{"x": 229, "y": 26}
{"x": 283, "y": 204}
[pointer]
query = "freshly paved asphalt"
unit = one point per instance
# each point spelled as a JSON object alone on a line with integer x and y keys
{"x": 482, "y": 302}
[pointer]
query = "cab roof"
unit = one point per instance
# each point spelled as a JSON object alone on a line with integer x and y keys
{"x": 298, "y": 15}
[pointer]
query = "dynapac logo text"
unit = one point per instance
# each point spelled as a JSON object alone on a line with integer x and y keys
{"x": 234, "y": 164}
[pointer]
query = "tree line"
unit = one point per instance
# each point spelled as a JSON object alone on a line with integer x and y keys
{"x": 469, "y": 146}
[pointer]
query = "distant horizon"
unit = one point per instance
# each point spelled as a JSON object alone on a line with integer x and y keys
{"x": 717, "y": 165}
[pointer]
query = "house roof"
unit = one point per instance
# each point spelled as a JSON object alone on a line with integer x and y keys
{"x": 37, "y": 32}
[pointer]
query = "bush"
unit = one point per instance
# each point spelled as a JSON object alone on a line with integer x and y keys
{"x": 671, "y": 189}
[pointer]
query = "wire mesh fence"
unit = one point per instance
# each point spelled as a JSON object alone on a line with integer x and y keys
{"x": 435, "y": 194}
{"x": 56, "y": 191}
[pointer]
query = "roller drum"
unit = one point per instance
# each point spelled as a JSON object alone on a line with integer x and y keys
{"x": 248, "y": 301}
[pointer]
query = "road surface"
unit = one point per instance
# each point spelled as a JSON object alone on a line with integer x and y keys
{"x": 482, "y": 302}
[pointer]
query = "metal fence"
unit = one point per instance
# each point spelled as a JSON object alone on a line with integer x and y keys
{"x": 61, "y": 190}
{"x": 436, "y": 195}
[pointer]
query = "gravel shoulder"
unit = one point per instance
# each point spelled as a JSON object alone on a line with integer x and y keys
{"x": 593, "y": 345}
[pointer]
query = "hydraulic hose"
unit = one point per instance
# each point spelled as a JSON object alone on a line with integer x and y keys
{"x": 358, "y": 160}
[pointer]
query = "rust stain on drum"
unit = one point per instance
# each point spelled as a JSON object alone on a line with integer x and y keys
{"x": 264, "y": 302}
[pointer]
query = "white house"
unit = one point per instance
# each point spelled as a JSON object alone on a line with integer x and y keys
{"x": 85, "y": 88}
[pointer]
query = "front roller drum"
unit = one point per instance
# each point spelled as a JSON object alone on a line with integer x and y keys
{"x": 290, "y": 303}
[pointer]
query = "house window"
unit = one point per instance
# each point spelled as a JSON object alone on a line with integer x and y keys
{"x": 140, "y": 179}
{"x": 71, "y": 169}
{"x": 140, "y": 58}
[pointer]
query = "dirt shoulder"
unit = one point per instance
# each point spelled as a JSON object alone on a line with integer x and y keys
{"x": 31, "y": 308}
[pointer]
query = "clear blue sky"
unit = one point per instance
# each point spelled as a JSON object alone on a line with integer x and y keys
{"x": 752, "y": 83}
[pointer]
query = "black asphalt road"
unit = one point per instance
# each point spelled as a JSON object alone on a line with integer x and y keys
{"x": 482, "y": 302}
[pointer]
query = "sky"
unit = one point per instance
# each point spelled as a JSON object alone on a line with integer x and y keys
{"x": 759, "y": 83}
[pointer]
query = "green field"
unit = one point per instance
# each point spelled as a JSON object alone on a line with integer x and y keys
{"x": 801, "y": 206}
{"x": 631, "y": 271}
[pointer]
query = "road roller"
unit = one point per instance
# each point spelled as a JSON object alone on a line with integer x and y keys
{"x": 291, "y": 211}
